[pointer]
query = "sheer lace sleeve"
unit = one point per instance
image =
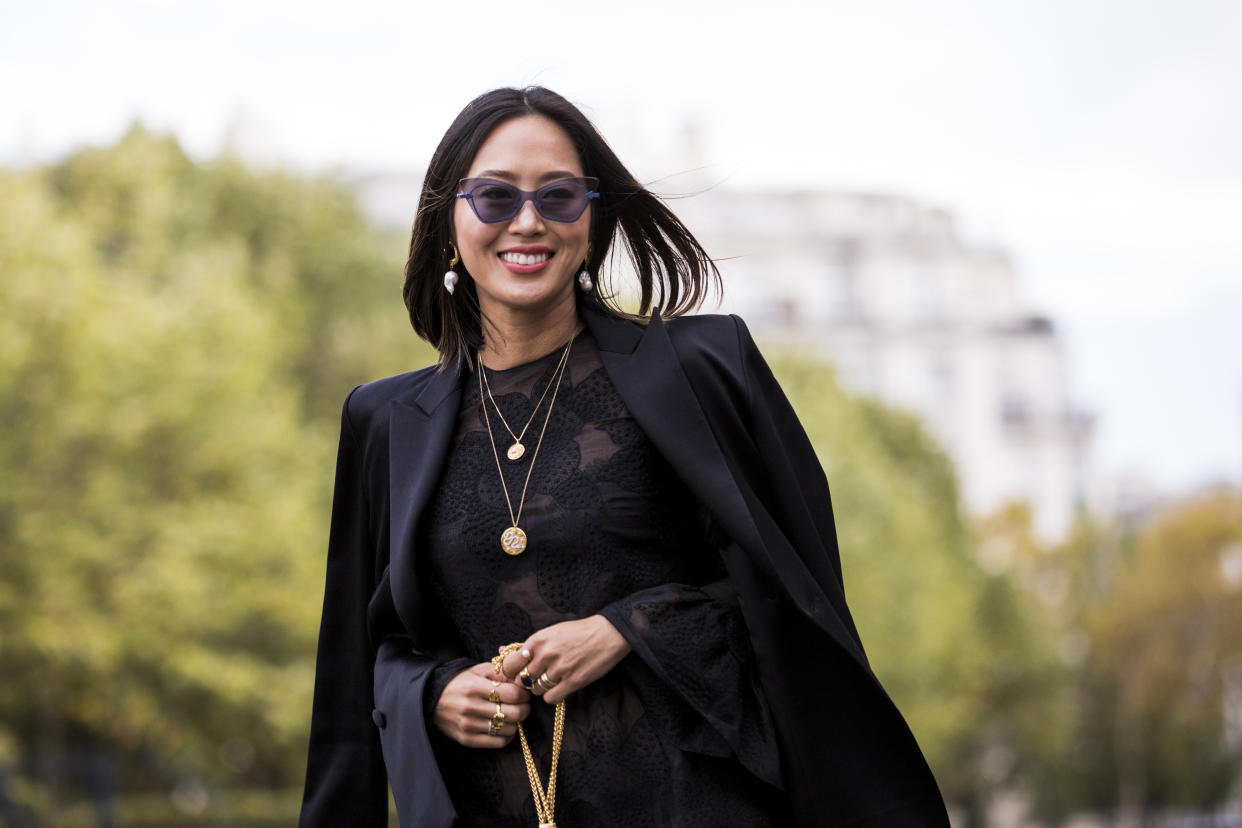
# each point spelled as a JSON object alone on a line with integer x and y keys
{"x": 694, "y": 640}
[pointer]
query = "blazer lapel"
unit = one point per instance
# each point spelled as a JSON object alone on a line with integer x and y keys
{"x": 420, "y": 433}
{"x": 647, "y": 372}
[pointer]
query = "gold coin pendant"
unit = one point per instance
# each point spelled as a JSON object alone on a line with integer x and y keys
{"x": 516, "y": 451}
{"x": 513, "y": 541}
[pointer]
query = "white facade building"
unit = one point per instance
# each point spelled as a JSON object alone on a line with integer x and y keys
{"x": 886, "y": 289}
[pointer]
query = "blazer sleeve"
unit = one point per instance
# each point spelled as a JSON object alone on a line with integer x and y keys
{"x": 346, "y": 783}
{"x": 858, "y": 765}
{"x": 798, "y": 492}
{"x": 873, "y": 771}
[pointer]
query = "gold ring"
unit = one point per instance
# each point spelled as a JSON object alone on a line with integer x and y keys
{"x": 494, "y": 696}
{"x": 506, "y": 651}
{"x": 497, "y": 721}
{"x": 545, "y": 683}
{"x": 525, "y": 678}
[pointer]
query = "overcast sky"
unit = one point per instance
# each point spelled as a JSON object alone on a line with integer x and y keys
{"x": 1099, "y": 142}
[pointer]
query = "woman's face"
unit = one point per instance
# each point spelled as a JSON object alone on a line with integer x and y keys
{"x": 525, "y": 264}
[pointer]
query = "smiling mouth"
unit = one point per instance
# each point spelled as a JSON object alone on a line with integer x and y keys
{"x": 525, "y": 258}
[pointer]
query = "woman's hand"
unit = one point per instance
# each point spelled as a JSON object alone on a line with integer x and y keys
{"x": 572, "y": 653}
{"x": 464, "y": 711}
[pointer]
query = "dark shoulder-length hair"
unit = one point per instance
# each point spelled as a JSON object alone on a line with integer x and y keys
{"x": 673, "y": 269}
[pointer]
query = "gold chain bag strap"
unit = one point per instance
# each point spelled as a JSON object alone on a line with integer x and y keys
{"x": 545, "y": 798}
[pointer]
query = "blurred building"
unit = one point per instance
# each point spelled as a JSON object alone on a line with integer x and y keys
{"x": 908, "y": 312}
{"x": 886, "y": 289}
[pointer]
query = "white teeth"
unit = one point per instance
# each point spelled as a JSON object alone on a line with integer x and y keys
{"x": 525, "y": 258}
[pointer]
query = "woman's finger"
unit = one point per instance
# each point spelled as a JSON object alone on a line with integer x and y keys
{"x": 551, "y": 673}
{"x": 559, "y": 692}
{"x": 464, "y": 711}
{"x": 489, "y": 682}
{"x": 544, "y": 683}
{"x": 504, "y": 691}
{"x": 515, "y": 662}
{"x": 484, "y": 711}
{"x": 573, "y": 654}
{"x": 548, "y": 648}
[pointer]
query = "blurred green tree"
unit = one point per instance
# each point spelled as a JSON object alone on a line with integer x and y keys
{"x": 175, "y": 343}
{"x": 1143, "y": 712}
{"x": 1032, "y": 619}
{"x": 955, "y": 644}
{"x": 1164, "y": 679}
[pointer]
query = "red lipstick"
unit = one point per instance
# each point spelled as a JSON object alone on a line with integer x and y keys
{"x": 530, "y": 258}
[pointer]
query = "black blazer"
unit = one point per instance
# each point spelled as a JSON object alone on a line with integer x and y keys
{"x": 709, "y": 403}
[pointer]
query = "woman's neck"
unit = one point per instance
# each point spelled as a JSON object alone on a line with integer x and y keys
{"x": 517, "y": 338}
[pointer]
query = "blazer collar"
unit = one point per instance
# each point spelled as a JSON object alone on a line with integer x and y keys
{"x": 442, "y": 385}
{"x": 621, "y": 336}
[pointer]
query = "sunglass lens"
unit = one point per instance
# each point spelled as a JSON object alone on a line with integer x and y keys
{"x": 495, "y": 202}
{"x": 563, "y": 201}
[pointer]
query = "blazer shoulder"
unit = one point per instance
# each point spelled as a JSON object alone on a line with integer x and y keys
{"x": 709, "y": 331}
{"x": 715, "y": 352}
{"x": 713, "y": 342}
{"x": 367, "y": 405}
{"x": 700, "y": 324}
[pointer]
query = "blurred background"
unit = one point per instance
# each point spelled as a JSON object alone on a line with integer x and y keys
{"x": 993, "y": 251}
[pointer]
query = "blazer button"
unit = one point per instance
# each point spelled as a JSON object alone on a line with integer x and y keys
{"x": 378, "y": 717}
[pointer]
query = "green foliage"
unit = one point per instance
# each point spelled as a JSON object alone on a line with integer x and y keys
{"x": 910, "y": 579}
{"x": 175, "y": 343}
{"x": 1033, "y": 639}
{"x": 1144, "y": 620}
{"x": 1166, "y": 661}
{"x": 299, "y": 245}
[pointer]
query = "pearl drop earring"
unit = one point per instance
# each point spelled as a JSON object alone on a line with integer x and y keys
{"x": 584, "y": 277}
{"x": 450, "y": 276}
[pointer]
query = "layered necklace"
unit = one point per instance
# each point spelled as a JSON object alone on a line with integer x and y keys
{"x": 517, "y": 450}
{"x": 513, "y": 539}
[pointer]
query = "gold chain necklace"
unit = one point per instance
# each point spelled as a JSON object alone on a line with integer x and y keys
{"x": 516, "y": 450}
{"x": 513, "y": 539}
{"x": 545, "y": 801}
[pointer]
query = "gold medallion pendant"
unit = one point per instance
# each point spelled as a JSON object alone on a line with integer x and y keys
{"x": 513, "y": 541}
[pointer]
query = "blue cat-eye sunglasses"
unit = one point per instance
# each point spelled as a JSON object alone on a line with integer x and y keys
{"x": 495, "y": 201}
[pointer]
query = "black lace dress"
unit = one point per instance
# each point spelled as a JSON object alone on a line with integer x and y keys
{"x": 678, "y": 734}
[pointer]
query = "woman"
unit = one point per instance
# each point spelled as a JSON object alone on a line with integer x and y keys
{"x": 581, "y": 506}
